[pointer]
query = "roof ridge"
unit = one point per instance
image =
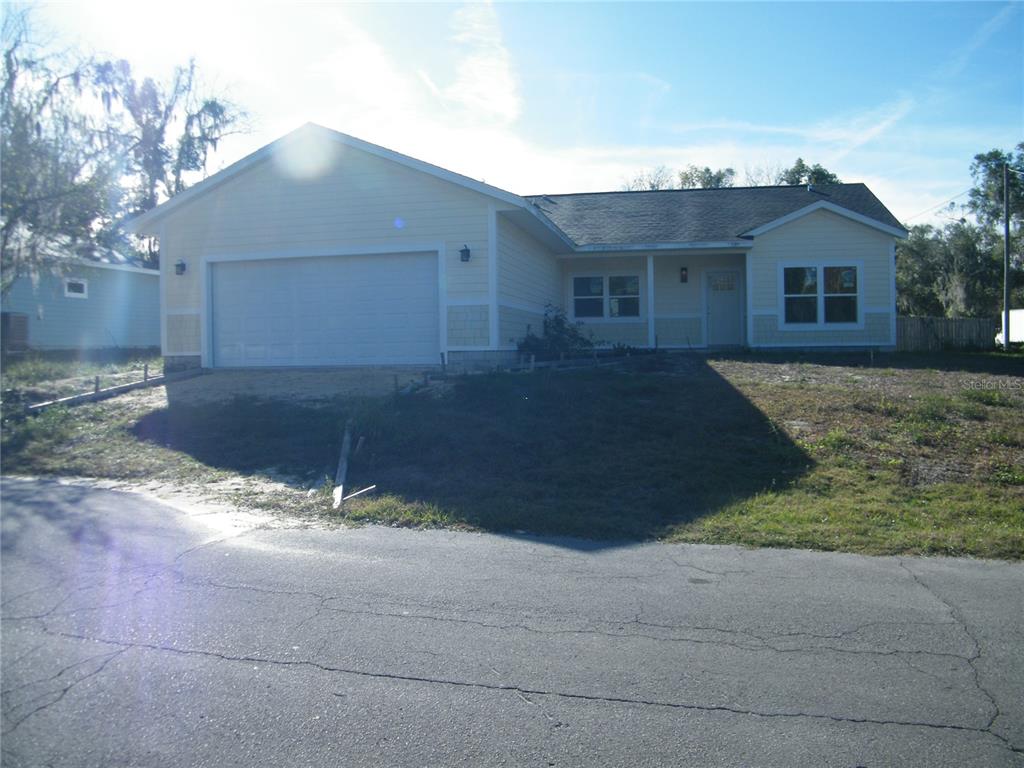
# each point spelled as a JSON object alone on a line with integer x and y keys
{"x": 695, "y": 189}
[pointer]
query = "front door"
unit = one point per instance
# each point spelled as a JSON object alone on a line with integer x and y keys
{"x": 725, "y": 308}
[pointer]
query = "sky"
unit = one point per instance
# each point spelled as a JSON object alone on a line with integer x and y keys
{"x": 575, "y": 97}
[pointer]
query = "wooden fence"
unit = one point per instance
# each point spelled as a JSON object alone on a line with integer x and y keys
{"x": 928, "y": 334}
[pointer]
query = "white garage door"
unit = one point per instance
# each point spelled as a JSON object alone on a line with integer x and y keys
{"x": 338, "y": 310}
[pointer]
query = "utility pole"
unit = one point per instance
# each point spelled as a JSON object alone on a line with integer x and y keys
{"x": 1006, "y": 256}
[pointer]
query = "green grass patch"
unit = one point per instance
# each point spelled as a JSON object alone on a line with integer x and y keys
{"x": 39, "y": 376}
{"x": 708, "y": 456}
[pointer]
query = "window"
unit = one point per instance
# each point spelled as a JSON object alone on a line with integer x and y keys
{"x": 76, "y": 288}
{"x": 814, "y": 295}
{"x": 624, "y": 296}
{"x": 588, "y": 296}
{"x": 840, "y": 294}
{"x": 801, "y": 294}
{"x": 616, "y": 296}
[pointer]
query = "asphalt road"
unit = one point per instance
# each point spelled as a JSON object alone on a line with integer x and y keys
{"x": 134, "y": 634}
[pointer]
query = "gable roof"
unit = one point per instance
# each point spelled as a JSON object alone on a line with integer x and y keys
{"x": 711, "y": 216}
{"x": 145, "y": 223}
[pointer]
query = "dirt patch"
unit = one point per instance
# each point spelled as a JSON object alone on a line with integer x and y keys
{"x": 293, "y": 385}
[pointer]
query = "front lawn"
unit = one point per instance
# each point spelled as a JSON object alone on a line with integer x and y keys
{"x": 38, "y": 376}
{"x": 910, "y": 454}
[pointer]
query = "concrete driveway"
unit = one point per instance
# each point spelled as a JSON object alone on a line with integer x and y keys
{"x": 139, "y": 635}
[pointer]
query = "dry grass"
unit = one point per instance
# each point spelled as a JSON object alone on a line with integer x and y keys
{"x": 912, "y": 454}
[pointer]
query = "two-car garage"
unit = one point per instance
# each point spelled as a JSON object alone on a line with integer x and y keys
{"x": 370, "y": 309}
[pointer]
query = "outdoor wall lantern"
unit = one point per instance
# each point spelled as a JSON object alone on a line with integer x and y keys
{"x": 464, "y": 253}
{"x": 683, "y": 276}
{"x": 179, "y": 267}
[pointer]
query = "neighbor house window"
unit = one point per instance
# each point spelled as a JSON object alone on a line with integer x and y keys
{"x": 816, "y": 295}
{"x": 76, "y": 288}
{"x": 608, "y": 296}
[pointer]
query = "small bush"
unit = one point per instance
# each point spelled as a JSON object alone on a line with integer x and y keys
{"x": 561, "y": 337}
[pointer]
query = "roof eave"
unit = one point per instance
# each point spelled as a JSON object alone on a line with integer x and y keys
{"x": 833, "y": 208}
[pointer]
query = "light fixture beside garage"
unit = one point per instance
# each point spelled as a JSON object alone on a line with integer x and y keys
{"x": 464, "y": 253}
{"x": 179, "y": 267}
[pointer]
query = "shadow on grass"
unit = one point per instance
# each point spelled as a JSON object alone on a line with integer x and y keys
{"x": 993, "y": 363}
{"x": 601, "y": 454}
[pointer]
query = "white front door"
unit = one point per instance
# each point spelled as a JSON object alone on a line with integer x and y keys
{"x": 724, "y": 308}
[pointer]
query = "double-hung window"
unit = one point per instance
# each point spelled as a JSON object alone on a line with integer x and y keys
{"x": 817, "y": 295}
{"x": 608, "y": 296}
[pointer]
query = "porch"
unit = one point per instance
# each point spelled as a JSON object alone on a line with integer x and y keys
{"x": 669, "y": 300}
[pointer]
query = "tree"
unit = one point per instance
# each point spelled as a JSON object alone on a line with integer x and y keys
{"x": 801, "y": 173}
{"x": 955, "y": 271}
{"x": 693, "y": 177}
{"x": 59, "y": 175}
{"x": 763, "y": 175}
{"x": 84, "y": 145}
{"x": 661, "y": 177}
{"x": 170, "y": 129}
{"x": 986, "y": 197}
{"x": 918, "y": 266}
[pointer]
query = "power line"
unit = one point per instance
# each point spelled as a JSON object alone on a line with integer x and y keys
{"x": 940, "y": 205}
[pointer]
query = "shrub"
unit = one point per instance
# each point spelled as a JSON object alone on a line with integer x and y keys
{"x": 560, "y": 337}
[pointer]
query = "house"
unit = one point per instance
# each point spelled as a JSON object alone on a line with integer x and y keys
{"x": 322, "y": 249}
{"x": 104, "y": 301}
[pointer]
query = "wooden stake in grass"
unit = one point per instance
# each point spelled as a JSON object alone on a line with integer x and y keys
{"x": 339, "y": 477}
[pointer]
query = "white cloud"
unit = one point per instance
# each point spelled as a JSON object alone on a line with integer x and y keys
{"x": 464, "y": 110}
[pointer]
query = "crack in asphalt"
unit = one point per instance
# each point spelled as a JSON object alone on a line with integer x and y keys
{"x": 59, "y": 695}
{"x": 526, "y": 692}
{"x": 958, "y": 617}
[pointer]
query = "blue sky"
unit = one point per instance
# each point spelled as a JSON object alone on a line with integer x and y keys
{"x": 541, "y": 97}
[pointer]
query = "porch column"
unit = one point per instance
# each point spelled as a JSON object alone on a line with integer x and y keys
{"x": 650, "y": 300}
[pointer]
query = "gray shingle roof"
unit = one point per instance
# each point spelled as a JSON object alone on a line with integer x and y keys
{"x": 693, "y": 215}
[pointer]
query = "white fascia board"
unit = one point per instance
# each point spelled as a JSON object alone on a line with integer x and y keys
{"x": 143, "y": 224}
{"x": 612, "y": 249}
{"x": 117, "y": 267}
{"x": 824, "y": 205}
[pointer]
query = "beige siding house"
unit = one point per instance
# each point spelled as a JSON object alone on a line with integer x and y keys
{"x": 321, "y": 249}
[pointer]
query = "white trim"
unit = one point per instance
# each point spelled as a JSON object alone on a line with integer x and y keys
{"x": 820, "y": 265}
{"x": 824, "y": 205}
{"x": 143, "y": 221}
{"x": 468, "y": 302}
{"x": 481, "y": 348}
{"x": 442, "y": 301}
{"x": 748, "y": 299}
{"x": 650, "y": 300}
{"x": 612, "y": 249}
{"x": 117, "y": 267}
{"x": 208, "y": 260}
{"x": 492, "y": 275}
{"x": 862, "y": 344}
{"x": 894, "y": 308}
{"x": 162, "y": 288}
{"x": 522, "y": 306}
{"x": 328, "y": 250}
{"x": 85, "y": 288}
{"x": 606, "y": 297}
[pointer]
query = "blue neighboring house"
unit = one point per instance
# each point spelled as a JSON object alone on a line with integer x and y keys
{"x": 105, "y": 302}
